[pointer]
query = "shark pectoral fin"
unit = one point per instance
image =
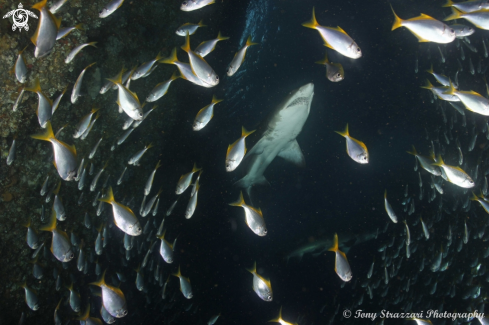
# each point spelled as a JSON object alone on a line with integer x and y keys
{"x": 292, "y": 153}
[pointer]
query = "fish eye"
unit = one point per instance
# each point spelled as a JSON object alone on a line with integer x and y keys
{"x": 217, "y": 77}
{"x": 71, "y": 255}
{"x": 124, "y": 312}
{"x": 358, "y": 49}
{"x": 265, "y": 231}
{"x": 338, "y": 75}
{"x": 452, "y": 31}
{"x": 269, "y": 298}
{"x": 184, "y": 3}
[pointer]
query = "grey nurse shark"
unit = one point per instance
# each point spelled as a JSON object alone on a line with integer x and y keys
{"x": 345, "y": 242}
{"x": 279, "y": 137}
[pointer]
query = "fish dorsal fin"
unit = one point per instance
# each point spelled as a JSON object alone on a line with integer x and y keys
{"x": 422, "y": 17}
{"x": 339, "y": 29}
{"x": 292, "y": 153}
{"x": 57, "y": 21}
{"x": 334, "y": 248}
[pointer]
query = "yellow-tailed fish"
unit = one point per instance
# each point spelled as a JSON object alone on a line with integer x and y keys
{"x": 31, "y": 298}
{"x": 455, "y": 175}
{"x": 124, "y": 218}
{"x": 20, "y": 67}
{"x": 112, "y": 298}
{"x": 481, "y": 200}
{"x": 192, "y": 203}
{"x": 184, "y": 181}
{"x": 75, "y": 300}
{"x": 190, "y": 5}
{"x": 77, "y": 50}
{"x": 62, "y": 32}
{"x": 253, "y": 217}
{"x": 207, "y": 47}
{"x": 64, "y": 155}
{"x": 161, "y": 89}
{"x": 444, "y": 80}
{"x": 239, "y": 57}
{"x": 426, "y": 28}
{"x": 45, "y": 36}
{"x": 58, "y": 204}
{"x": 425, "y": 229}
{"x": 60, "y": 244}
{"x": 44, "y": 105}
{"x": 357, "y": 150}
{"x": 127, "y": 100}
{"x": 334, "y": 71}
{"x": 32, "y": 238}
{"x": 280, "y": 320}
{"x": 166, "y": 249}
{"x": 57, "y": 101}
{"x": 110, "y": 8}
{"x": 440, "y": 92}
{"x": 149, "y": 182}
{"x": 261, "y": 286}
{"x": 472, "y": 101}
{"x": 185, "y": 69}
{"x": 185, "y": 286}
{"x": 479, "y": 18}
{"x": 84, "y": 123}
{"x": 341, "y": 266}
{"x": 188, "y": 28}
{"x": 199, "y": 66}
{"x": 388, "y": 209}
{"x": 134, "y": 160}
{"x": 237, "y": 151}
{"x": 426, "y": 162}
{"x": 76, "y": 92}
{"x": 468, "y": 6}
{"x": 335, "y": 38}
{"x": 205, "y": 114}
{"x": 143, "y": 69}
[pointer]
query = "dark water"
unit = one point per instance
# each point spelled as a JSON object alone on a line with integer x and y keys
{"x": 385, "y": 107}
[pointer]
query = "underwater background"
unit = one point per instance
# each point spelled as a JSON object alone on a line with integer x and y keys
{"x": 380, "y": 99}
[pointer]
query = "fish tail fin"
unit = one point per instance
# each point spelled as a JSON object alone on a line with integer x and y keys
{"x": 88, "y": 66}
{"x": 414, "y": 152}
{"x": 451, "y": 88}
{"x": 334, "y": 248}
{"x": 323, "y": 61}
{"x": 240, "y": 201}
{"x": 456, "y": 14}
{"x": 427, "y": 85}
{"x": 215, "y": 100}
{"x": 178, "y": 274}
{"x": 385, "y": 194}
{"x": 249, "y": 42}
{"x": 220, "y": 37}
{"x": 95, "y": 110}
{"x": 313, "y": 23}
{"x": 100, "y": 282}
{"x": 172, "y": 59}
{"x": 162, "y": 236}
{"x": 158, "y": 57}
{"x": 430, "y": 70}
{"x": 56, "y": 191}
{"x": 70, "y": 286}
{"x": 253, "y": 269}
{"x": 449, "y": 3}
{"x": 109, "y": 196}
{"x": 245, "y": 133}
{"x": 85, "y": 314}
{"x": 40, "y": 5}
{"x": 201, "y": 23}
{"x": 36, "y": 87}
{"x": 149, "y": 146}
{"x": 439, "y": 162}
{"x": 186, "y": 46}
{"x": 195, "y": 168}
{"x": 48, "y": 134}
{"x": 92, "y": 44}
{"x": 80, "y": 26}
{"x": 175, "y": 75}
{"x": 397, "y": 21}
{"x": 51, "y": 225}
{"x": 158, "y": 165}
{"x": 118, "y": 78}
{"x": 474, "y": 197}
{"x": 345, "y": 133}
{"x": 278, "y": 318}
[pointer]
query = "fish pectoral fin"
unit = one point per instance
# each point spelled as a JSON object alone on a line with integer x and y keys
{"x": 292, "y": 153}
